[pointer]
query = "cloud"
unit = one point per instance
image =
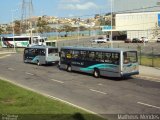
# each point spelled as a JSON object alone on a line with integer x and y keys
{"x": 70, "y": 1}
{"x": 78, "y": 6}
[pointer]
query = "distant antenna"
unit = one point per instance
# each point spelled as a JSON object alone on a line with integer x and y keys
{"x": 27, "y": 12}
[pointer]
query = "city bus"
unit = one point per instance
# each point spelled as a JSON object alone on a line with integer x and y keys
{"x": 40, "y": 54}
{"x": 109, "y": 62}
{"x": 22, "y": 41}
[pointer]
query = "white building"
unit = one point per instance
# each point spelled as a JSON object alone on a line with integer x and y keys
{"x": 137, "y": 25}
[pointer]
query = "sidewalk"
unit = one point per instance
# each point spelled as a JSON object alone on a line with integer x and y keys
{"x": 149, "y": 72}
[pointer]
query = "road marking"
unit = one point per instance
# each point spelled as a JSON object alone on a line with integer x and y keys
{"x": 11, "y": 69}
{"x": 97, "y": 91}
{"x": 148, "y": 105}
{"x": 100, "y": 84}
{"x": 29, "y": 73}
{"x": 57, "y": 81}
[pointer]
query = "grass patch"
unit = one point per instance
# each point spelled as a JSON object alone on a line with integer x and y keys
{"x": 149, "y": 61}
{"x": 29, "y": 105}
{"x": 67, "y": 38}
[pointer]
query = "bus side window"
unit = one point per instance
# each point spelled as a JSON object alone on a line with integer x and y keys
{"x": 75, "y": 54}
{"x": 107, "y": 57}
{"x": 115, "y": 58}
{"x": 42, "y": 52}
{"x": 37, "y": 51}
{"x": 99, "y": 56}
{"x": 26, "y": 51}
{"x": 91, "y": 56}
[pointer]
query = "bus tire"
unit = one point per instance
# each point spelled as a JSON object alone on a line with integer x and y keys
{"x": 38, "y": 63}
{"x": 69, "y": 68}
{"x": 96, "y": 73}
{"x": 24, "y": 61}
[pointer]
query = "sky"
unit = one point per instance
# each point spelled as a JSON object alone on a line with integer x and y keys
{"x": 11, "y": 9}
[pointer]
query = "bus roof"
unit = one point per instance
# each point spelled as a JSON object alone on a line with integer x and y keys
{"x": 41, "y": 47}
{"x": 98, "y": 49}
{"x": 23, "y": 36}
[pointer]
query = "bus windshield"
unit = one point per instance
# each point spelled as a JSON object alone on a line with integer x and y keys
{"x": 129, "y": 57}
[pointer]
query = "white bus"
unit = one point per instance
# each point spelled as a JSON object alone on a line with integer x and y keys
{"x": 41, "y": 55}
{"x": 22, "y": 41}
{"x": 109, "y": 62}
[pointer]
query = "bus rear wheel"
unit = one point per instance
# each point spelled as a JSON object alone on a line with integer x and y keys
{"x": 38, "y": 63}
{"x": 69, "y": 68}
{"x": 96, "y": 73}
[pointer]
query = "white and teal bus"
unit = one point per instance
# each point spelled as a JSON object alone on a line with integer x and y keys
{"x": 109, "y": 62}
{"x": 22, "y": 41}
{"x": 41, "y": 55}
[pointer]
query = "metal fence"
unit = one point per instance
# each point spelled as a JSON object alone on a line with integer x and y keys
{"x": 149, "y": 53}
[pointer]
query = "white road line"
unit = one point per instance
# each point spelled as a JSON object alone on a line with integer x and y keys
{"x": 97, "y": 91}
{"x": 12, "y": 69}
{"x": 148, "y": 105}
{"x": 100, "y": 84}
{"x": 29, "y": 73}
{"x": 57, "y": 81}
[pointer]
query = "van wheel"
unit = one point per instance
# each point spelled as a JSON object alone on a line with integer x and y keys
{"x": 38, "y": 63}
{"x": 96, "y": 73}
{"x": 69, "y": 68}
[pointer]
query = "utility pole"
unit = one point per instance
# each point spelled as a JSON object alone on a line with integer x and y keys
{"x": 111, "y": 40}
{"x": 26, "y": 16}
{"x": 13, "y": 29}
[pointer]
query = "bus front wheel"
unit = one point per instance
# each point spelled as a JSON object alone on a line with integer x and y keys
{"x": 96, "y": 73}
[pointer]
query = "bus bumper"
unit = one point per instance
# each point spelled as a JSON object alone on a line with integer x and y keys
{"x": 130, "y": 74}
{"x": 52, "y": 62}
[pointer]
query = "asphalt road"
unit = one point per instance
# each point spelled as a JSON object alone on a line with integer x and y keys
{"x": 104, "y": 95}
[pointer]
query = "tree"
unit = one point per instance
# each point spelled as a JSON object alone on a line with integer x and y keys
{"x": 156, "y": 31}
{"x": 104, "y": 21}
{"x": 67, "y": 28}
{"x": 42, "y": 25}
{"x": 9, "y": 29}
{"x": 1, "y": 30}
{"x": 82, "y": 28}
{"x": 17, "y": 27}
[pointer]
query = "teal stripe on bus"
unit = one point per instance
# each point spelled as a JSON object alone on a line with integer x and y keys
{"x": 100, "y": 66}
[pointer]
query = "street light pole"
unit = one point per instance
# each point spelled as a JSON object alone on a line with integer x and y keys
{"x": 78, "y": 29}
{"x": 13, "y": 30}
{"x": 111, "y": 24}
